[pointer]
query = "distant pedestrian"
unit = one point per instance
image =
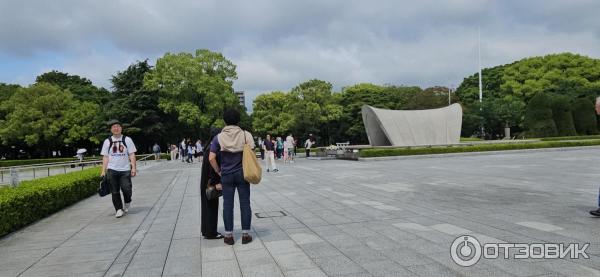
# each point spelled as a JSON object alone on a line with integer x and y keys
{"x": 307, "y": 145}
{"x": 269, "y": 148}
{"x": 279, "y": 149}
{"x": 262, "y": 150}
{"x": 199, "y": 148}
{"x": 156, "y": 151}
{"x": 190, "y": 152}
{"x": 182, "y": 150}
{"x": 174, "y": 152}
{"x": 289, "y": 148}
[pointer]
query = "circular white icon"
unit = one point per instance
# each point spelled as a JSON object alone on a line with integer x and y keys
{"x": 465, "y": 251}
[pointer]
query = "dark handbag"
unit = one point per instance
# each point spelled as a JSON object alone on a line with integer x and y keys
{"x": 104, "y": 188}
{"x": 213, "y": 193}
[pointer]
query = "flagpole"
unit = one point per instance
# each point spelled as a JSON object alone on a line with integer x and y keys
{"x": 480, "y": 80}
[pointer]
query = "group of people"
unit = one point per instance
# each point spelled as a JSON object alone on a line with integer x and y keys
{"x": 272, "y": 149}
{"x": 186, "y": 150}
{"x": 221, "y": 170}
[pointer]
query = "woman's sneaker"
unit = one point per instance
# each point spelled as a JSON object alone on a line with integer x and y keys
{"x": 119, "y": 213}
{"x": 595, "y": 212}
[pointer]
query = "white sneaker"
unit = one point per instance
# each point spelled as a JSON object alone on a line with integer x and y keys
{"x": 119, "y": 213}
{"x": 127, "y": 205}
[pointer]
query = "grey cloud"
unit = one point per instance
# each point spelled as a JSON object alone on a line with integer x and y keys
{"x": 278, "y": 44}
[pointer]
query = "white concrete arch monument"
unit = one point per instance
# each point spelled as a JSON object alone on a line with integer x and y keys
{"x": 413, "y": 127}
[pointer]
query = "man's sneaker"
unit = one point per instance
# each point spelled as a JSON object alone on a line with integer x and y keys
{"x": 127, "y": 205}
{"x": 275, "y": 170}
{"x": 246, "y": 238}
{"x": 595, "y": 212}
{"x": 119, "y": 213}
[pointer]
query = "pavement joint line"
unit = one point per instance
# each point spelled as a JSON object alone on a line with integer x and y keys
{"x": 170, "y": 186}
{"x": 187, "y": 183}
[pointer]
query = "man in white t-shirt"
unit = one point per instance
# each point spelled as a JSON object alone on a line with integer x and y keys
{"x": 119, "y": 165}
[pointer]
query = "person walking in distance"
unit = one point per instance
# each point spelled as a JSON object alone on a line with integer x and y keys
{"x": 307, "y": 145}
{"x": 290, "y": 148}
{"x": 119, "y": 165}
{"x": 269, "y": 148}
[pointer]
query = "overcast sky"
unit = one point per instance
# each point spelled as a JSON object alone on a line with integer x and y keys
{"x": 276, "y": 44}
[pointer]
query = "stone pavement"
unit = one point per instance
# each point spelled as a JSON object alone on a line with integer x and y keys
{"x": 342, "y": 218}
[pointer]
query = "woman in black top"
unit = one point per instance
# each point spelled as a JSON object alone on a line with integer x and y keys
{"x": 210, "y": 208}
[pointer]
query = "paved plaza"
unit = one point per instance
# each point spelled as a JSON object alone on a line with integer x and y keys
{"x": 332, "y": 218}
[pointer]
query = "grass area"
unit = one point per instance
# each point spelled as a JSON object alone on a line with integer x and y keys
{"x": 407, "y": 151}
{"x": 470, "y": 139}
{"x": 36, "y": 199}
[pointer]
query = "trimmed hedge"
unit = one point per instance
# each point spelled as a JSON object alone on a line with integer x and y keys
{"x": 571, "y": 138}
{"x": 539, "y": 121}
{"x": 36, "y": 199}
{"x": 584, "y": 117}
{"x": 407, "y": 151}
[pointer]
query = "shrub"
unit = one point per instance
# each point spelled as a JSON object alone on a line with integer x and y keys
{"x": 563, "y": 118}
{"x": 407, "y": 151}
{"x": 539, "y": 121}
{"x": 584, "y": 116}
{"x": 36, "y": 199}
{"x": 570, "y": 138}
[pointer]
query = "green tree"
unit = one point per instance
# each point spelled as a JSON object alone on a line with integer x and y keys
{"x": 561, "y": 111}
{"x": 272, "y": 114}
{"x": 584, "y": 116}
{"x": 314, "y": 109}
{"x": 43, "y": 117}
{"x": 351, "y": 126}
{"x": 196, "y": 88}
{"x": 429, "y": 98}
{"x": 506, "y": 112}
{"x": 565, "y": 74}
{"x": 539, "y": 121}
{"x": 81, "y": 88}
{"x": 138, "y": 109}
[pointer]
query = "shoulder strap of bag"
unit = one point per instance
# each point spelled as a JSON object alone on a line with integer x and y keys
{"x": 110, "y": 140}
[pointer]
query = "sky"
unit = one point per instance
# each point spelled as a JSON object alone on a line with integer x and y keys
{"x": 278, "y": 44}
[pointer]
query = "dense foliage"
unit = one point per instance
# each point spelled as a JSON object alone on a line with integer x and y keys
{"x": 185, "y": 94}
